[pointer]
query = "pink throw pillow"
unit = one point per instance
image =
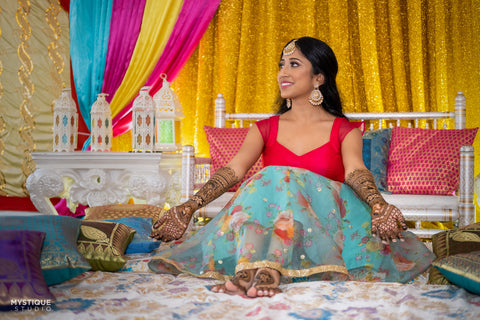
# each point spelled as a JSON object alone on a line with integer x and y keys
{"x": 224, "y": 144}
{"x": 426, "y": 161}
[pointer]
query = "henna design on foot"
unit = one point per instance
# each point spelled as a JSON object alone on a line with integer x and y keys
{"x": 238, "y": 285}
{"x": 265, "y": 284}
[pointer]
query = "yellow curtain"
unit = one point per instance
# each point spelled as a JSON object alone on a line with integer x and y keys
{"x": 156, "y": 29}
{"x": 394, "y": 55}
{"x": 154, "y": 34}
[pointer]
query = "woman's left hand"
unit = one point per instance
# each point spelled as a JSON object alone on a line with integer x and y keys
{"x": 388, "y": 222}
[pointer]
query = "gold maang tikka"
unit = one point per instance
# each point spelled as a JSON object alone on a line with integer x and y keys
{"x": 289, "y": 48}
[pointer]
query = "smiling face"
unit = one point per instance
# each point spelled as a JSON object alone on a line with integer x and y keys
{"x": 295, "y": 77}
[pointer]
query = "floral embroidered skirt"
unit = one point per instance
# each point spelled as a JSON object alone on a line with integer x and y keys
{"x": 302, "y": 224}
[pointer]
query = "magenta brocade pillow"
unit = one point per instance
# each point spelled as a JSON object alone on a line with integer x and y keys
{"x": 224, "y": 144}
{"x": 20, "y": 272}
{"x": 426, "y": 161}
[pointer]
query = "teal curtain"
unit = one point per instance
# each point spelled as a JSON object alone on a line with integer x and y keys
{"x": 89, "y": 33}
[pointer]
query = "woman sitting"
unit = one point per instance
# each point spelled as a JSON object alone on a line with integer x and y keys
{"x": 312, "y": 213}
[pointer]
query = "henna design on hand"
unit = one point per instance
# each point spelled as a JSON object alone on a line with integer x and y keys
{"x": 387, "y": 220}
{"x": 222, "y": 180}
{"x": 363, "y": 183}
{"x": 173, "y": 223}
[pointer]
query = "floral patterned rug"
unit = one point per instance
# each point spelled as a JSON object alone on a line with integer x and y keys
{"x": 139, "y": 294}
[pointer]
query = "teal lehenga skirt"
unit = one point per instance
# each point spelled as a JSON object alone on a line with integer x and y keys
{"x": 300, "y": 223}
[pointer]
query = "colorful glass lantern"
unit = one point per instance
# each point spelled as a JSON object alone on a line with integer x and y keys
{"x": 168, "y": 118}
{"x": 65, "y": 123}
{"x": 143, "y": 121}
{"x": 101, "y": 129}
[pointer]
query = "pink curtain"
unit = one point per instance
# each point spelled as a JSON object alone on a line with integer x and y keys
{"x": 125, "y": 26}
{"x": 192, "y": 22}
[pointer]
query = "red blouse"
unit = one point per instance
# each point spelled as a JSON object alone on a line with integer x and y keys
{"x": 326, "y": 160}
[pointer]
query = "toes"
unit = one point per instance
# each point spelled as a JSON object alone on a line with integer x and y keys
{"x": 218, "y": 288}
{"x": 228, "y": 288}
{"x": 263, "y": 292}
{"x": 252, "y": 292}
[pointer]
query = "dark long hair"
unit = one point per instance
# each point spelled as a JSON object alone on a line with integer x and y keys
{"x": 323, "y": 61}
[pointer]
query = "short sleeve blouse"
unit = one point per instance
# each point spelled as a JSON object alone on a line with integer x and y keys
{"x": 325, "y": 160}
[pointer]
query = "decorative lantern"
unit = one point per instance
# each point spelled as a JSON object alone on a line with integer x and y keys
{"x": 168, "y": 116}
{"x": 101, "y": 118}
{"x": 65, "y": 123}
{"x": 143, "y": 120}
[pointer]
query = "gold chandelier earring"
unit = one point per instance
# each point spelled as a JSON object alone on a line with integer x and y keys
{"x": 289, "y": 103}
{"x": 316, "y": 97}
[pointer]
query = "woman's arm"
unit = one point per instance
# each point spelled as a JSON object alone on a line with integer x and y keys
{"x": 173, "y": 223}
{"x": 387, "y": 220}
{"x": 352, "y": 151}
{"x": 248, "y": 153}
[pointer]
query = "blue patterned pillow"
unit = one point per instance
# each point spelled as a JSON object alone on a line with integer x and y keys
{"x": 60, "y": 259}
{"x": 141, "y": 243}
{"x": 462, "y": 269}
{"x": 375, "y": 154}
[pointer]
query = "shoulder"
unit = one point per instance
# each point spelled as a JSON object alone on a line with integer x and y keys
{"x": 346, "y": 125}
{"x": 265, "y": 125}
{"x": 268, "y": 120}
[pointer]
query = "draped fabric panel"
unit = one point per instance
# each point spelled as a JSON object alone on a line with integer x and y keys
{"x": 89, "y": 34}
{"x": 157, "y": 25}
{"x": 34, "y": 66}
{"x": 126, "y": 22}
{"x": 393, "y": 55}
{"x": 192, "y": 22}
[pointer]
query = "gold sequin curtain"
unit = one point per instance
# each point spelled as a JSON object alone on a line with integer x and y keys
{"x": 394, "y": 55}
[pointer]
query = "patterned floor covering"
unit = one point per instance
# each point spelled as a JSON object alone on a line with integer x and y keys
{"x": 137, "y": 295}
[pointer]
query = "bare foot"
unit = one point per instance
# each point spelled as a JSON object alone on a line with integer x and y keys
{"x": 265, "y": 284}
{"x": 238, "y": 285}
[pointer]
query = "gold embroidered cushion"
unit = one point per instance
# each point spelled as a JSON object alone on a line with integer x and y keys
{"x": 425, "y": 161}
{"x": 103, "y": 244}
{"x": 450, "y": 243}
{"x": 20, "y": 271}
{"x": 462, "y": 269}
{"x": 60, "y": 259}
{"x": 117, "y": 211}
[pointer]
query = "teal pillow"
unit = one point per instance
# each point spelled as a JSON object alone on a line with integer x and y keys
{"x": 60, "y": 259}
{"x": 462, "y": 269}
{"x": 375, "y": 154}
{"x": 141, "y": 242}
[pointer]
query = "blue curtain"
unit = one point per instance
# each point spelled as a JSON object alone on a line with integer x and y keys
{"x": 89, "y": 32}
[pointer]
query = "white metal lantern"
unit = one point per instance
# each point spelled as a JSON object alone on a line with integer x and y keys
{"x": 168, "y": 116}
{"x": 143, "y": 120}
{"x": 65, "y": 123}
{"x": 101, "y": 128}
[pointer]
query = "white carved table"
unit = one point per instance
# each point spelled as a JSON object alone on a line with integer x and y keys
{"x": 101, "y": 178}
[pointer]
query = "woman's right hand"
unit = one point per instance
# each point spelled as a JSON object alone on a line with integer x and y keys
{"x": 173, "y": 223}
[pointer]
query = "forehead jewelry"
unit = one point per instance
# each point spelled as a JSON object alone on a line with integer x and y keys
{"x": 289, "y": 48}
